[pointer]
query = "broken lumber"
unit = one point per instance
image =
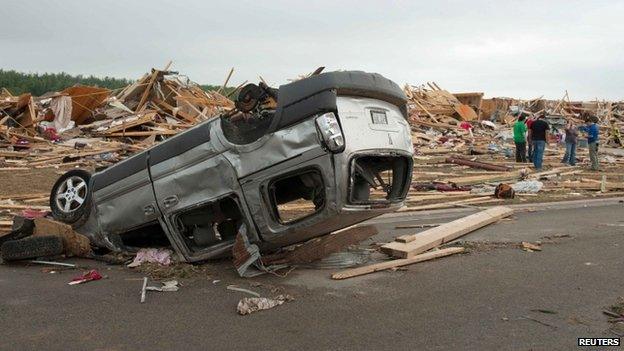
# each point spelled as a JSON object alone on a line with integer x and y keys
{"x": 478, "y": 199}
{"x": 410, "y": 245}
{"x": 471, "y": 180}
{"x": 320, "y": 247}
{"x": 477, "y": 164}
{"x": 354, "y": 272}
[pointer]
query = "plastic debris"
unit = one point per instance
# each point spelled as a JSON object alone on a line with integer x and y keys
{"x": 250, "y": 305}
{"x": 86, "y": 277}
{"x": 168, "y": 286}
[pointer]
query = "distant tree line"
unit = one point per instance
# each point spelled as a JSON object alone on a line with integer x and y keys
{"x": 41, "y": 83}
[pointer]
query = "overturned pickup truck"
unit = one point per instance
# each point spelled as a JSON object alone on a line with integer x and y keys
{"x": 293, "y": 163}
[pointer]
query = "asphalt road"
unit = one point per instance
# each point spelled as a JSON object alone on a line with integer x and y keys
{"x": 484, "y": 300}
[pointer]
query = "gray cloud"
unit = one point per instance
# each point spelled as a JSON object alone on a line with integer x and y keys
{"x": 504, "y": 48}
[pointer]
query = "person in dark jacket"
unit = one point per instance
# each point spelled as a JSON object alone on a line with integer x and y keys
{"x": 529, "y": 121}
{"x": 539, "y": 136}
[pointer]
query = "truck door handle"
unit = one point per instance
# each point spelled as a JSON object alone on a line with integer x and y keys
{"x": 149, "y": 210}
{"x": 170, "y": 201}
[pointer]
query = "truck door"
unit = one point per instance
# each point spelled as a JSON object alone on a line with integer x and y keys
{"x": 198, "y": 193}
{"x": 124, "y": 197}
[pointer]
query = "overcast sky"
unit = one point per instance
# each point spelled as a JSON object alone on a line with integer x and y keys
{"x": 504, "y": 48}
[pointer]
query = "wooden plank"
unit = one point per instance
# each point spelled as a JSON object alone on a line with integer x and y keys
{"x": 147, "y": 118}
{"x": 24, "y": 207}
{"x": 471, "y": 180}
{"x": 143, "y": 133}
{"x": 172, "y": 109}
{"x": 354, "y": 272}
{"x": 478, "y": 199}
{"x": 147, "y": 90}
{"x": 410, "y": 245}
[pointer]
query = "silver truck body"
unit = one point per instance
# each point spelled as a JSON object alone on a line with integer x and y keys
{"x": 199, "y": 184}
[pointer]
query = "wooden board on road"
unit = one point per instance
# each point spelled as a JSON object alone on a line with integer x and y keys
{"x": 410, "y": 245}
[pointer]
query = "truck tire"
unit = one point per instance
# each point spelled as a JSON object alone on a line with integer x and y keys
{"x": 22, "y": 227}
{"x": 32, "y": 247}
{"x": 70, "y": 199}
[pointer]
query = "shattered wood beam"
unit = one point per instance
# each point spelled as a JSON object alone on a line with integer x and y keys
{"x": 226, "y": 81}
{"x": 427, "y": 112}
{"x": 407, "y": 246}
{"x": 434, "y": 125}
{"x": 354, "y": 272}
{"x": 147, "y": 90}
{"x": 477, "y": 164}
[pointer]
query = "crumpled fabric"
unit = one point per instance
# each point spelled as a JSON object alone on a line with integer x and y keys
{"x": 62, "y": 108}
{"x": 160, "y": 256}
{"x": 249, "y": 305}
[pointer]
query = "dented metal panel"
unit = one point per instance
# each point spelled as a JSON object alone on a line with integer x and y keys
{"x": 127, "y": 203}
{"x": 273, "y": 149}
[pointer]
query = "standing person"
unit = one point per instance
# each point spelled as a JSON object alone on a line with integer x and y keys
{"x": 519, "y": 133}
{"x": 539, "y": 137}
{"x": 529, "y": 122}
{"x": 591, "y": 128}
{"x": 571, "y": 136}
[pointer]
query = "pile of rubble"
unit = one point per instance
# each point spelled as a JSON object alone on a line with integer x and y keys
{"x": 463, "y": 142}
{"x": 462, "y": 156}
{"x": 81, "y": 124}
{"x": 92, "y": 127}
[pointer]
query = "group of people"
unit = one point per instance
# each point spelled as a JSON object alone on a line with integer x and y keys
{"x": 534, "y": 132}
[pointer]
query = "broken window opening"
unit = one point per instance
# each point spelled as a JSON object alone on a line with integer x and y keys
{"x": 297, "y": 196}
{"x": 151, "y": 235}
{"x": 379, "y": 179}
{"x": 211, "y": 224}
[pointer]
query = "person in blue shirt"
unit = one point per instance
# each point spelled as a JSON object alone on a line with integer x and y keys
{"x": 591, "y": 129}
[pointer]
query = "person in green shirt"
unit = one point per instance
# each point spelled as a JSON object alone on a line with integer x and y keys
{"x": 519, "y": 132}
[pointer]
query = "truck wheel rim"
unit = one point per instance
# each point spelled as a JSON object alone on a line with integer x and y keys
{"x": 71, "y": 194}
